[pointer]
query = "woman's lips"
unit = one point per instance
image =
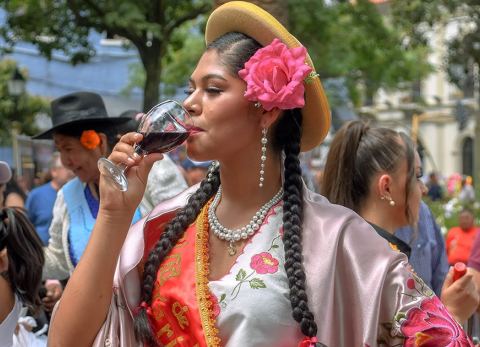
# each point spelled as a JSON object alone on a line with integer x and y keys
{"x": 195, "y": 130}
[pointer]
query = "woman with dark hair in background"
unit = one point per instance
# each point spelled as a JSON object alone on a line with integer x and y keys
{"x": 376, "y": 172}
{"x": 21, "y": 262}
{"x": 250, "y": 257}
{"x": 14, "y": 196}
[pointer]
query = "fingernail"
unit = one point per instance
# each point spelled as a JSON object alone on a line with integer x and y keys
{"x": 131, "y": 161}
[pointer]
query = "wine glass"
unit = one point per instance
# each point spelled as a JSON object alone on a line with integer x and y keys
{"x": 165, "y": 127}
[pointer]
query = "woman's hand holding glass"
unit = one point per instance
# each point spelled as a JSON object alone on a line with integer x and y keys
{"x": 165, "y": 127}
{"x": 137, "y": 170}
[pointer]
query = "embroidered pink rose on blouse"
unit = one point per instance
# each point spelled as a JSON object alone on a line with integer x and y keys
{"x": 264, "y": 263}
{"x": 275, "y": 75}
{"x": 431, "y": 325}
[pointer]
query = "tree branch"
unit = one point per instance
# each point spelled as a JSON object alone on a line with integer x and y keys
{"x": 169, "y": 27}
{"x": 84, "y": 21}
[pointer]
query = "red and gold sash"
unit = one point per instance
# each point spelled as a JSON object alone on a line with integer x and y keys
{"x": 181, "y": 308}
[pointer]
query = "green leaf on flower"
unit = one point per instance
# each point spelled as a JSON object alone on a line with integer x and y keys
{"x": 222, "y": 297}
{"x": 311, "y": 76}
{"x": 257, "y": 283}
{"x": 241, "y": 275}
{"x": 274, "y": 246}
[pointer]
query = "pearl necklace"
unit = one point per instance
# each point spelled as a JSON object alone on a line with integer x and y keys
{"x": 232, "y": 236}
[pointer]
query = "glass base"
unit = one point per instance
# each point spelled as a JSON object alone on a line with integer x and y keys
{"x": 113, "y": 173}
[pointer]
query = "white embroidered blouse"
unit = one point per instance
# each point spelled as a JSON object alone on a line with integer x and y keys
{"x": 257, "y": 280}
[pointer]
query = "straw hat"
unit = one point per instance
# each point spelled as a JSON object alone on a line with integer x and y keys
{"x": 249, "y": 19}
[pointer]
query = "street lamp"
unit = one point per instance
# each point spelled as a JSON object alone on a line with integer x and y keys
{"x": 16, "y": 87}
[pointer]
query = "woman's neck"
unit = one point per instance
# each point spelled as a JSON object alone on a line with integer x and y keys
{"x": 240, "y": 182}
{"x": 380, "y": 214}
{"x": 94, "y": 190}
{"x": 7, "y": 299}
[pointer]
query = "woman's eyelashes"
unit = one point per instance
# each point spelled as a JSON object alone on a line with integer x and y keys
{"x": 213, "y": 90}
{"x": 209, "y": 90}
{"x": 419, "y": 174}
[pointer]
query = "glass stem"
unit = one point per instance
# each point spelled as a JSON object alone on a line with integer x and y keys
{"x": 122, "y": 167}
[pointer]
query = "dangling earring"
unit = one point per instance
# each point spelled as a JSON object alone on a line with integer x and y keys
{"x": 263, "y": 157}
{"x": 212, "y": 168}
{"x": 390, "y": 200}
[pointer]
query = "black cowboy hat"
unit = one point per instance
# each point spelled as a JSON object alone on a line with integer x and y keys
{"x": 80, "y": 108}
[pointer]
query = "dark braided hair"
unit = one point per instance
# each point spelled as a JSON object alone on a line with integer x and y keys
{"x": 234, "y": 50}
{"x": 25, "y": 255}
{"x": 173, "y": 232}
{"x": 287, "y": 136}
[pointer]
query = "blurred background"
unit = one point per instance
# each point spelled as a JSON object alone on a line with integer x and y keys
{"x": 409, "y": 65}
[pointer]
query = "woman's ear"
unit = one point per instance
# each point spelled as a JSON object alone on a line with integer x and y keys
{"x": 270, "y": 117}
{"x": 103, "y": 144}
{"x": 383, "y": 185}
{"x": 3, "y": 260}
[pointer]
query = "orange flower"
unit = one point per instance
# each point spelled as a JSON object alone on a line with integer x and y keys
{"x": 90, "y": 139}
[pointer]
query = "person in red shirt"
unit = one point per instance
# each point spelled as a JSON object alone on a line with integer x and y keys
{"x": 460, "y": 239}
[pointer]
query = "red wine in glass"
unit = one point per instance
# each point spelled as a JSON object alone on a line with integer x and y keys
{"x": 160, "y": 142}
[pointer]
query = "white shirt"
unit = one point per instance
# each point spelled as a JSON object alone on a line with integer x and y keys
{"x": 257, "y": 280}
{"x": 7, "y": 327}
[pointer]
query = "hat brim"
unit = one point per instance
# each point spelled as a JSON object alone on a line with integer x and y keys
{"x": 48, "y": 134}
{"x": 249, "y": 19}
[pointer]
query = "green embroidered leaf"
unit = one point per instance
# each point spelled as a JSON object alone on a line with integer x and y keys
{"x": 274, "y": 246}
{"x": 399, "y": 316}
{"x": 222, "y": 297}
{"x": 241, "y": 275}
{"x": 257, "y": 283}
{"x": 428, "y": 292}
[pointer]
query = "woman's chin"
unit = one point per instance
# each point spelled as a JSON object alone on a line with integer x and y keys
{"x": 195, "y": 154}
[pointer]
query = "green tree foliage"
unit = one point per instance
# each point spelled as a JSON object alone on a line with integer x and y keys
{"x": 17, "y": 113}
{"x": 419, "y": 17}
{"x": 180, "y": 60}
{"x": 357, "y": 42}
{"x": 150, "y": 25}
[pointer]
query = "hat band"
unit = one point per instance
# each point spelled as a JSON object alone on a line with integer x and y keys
{"x": 84, "y": 114}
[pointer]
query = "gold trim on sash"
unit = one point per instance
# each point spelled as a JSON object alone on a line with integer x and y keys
{"x": 202, "y": 265}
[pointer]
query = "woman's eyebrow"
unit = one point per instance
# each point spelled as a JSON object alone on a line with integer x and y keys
{"x": 209, "y": 76}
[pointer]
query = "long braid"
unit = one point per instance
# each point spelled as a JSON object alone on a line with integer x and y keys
{"x": 174, "y": 230}
{"x": 289, "y": 133}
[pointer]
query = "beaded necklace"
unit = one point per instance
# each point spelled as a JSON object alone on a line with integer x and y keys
{"x": 234, "y": 235}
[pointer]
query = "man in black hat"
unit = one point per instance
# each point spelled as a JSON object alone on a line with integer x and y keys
{"x": 83, "y": 133}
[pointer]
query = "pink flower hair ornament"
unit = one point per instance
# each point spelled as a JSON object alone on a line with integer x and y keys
{"x": 275, "y": 76}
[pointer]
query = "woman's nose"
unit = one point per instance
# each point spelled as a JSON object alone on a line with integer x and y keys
{"x": 192, "y": 105}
